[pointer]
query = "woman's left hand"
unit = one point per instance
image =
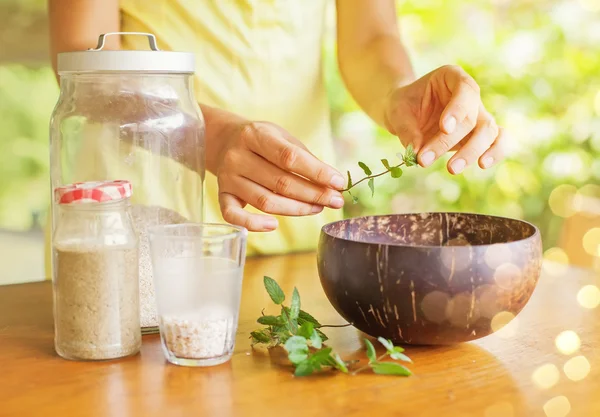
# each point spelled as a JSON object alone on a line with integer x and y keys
{"x": 442, "y": 112}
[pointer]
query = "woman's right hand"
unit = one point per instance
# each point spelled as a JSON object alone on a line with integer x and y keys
{"x": 262, "y": 165}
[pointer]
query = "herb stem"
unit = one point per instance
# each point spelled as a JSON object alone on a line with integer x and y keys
{"x": 362, "y": 368}
{"x": 372, "y": 176}
{"x": 336, "y": 325}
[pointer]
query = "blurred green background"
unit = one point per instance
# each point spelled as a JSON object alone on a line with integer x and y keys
{"x": 537, "y": 63}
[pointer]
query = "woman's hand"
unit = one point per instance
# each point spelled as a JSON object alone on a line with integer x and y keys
{"x": 262, "y": 165}
{"x": 442, "y": 112}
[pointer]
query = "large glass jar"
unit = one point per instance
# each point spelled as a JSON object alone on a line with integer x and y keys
{"x": 132, "y": 115}
{"x": 95, "y": 279}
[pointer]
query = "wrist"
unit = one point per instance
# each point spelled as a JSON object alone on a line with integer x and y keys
{"x": 395, "y": 91}
{"x": 221, "y": 127}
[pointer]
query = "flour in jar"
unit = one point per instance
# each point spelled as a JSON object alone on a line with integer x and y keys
{"x": 96, "y": 309}
{"x": 145, "y": 217}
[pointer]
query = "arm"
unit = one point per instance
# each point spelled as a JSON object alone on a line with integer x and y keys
{"x": 439, "y": 112}
{"x": 371, "y": 57}
{"x": 75, "y": 25}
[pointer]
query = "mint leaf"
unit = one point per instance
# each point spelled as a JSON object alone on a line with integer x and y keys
{"x": 387, "y": 344}
{"x": 304, "y": 316}
{"x": 400, "y": 357}
{"x": 349, "y": 181}
{"x": 410, "y": 158}
{"x": 304, "y": 368}
{"x": 292, "y": 324}
{"x": 270, "y": 320}
{"x": 297, "y": 349}
{"x": 315, "y": 339}
{"x": 365, "y": 168}
{"x": 259, "y": 337}
{"x": 320, "y": 357}
{"x": 386, "y": 164}
{"x": 354, "y": 200}
{"x": 295, "y": 307}
{"x": 395, "y": 172}
{"x": 371, "y": 354}
{"x": 296, "y": 343}
{"x": 390, "y": 368}
{"x": 282, "y": 334}
{"x": 322, "y": 335}
{"x": 340, "y": 364}
{"x": 306, "y": 330}
{"x": 274, "y": 290}
{"x": 297, "y": 357}
{"x": 372, "y": 186}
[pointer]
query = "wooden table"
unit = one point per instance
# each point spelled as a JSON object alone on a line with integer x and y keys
{"x": 518, "y": 371}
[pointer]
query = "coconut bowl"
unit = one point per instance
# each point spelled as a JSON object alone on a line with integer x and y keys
{"x": 429, "y": 278}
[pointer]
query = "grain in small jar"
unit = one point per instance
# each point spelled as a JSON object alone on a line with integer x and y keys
{"x": 95, "y": 272}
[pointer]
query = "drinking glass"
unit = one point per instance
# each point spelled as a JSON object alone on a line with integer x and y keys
{"x": 198, "y": 271}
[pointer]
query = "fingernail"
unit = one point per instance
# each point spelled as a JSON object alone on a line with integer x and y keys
{"x": 271, "y": 224}
{"x": 487, "y": 162}
{"x": 336, "y": 202}
{"x": 338, "y": 182}
{"x": 450, "y": 124}
{"x": 316, "y": 209}
{"x": 458, "y": 166}
{"x": 427, "y": 158}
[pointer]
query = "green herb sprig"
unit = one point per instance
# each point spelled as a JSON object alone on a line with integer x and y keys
{"x": 301, "y": 336}
{"x": 408, "y": 159}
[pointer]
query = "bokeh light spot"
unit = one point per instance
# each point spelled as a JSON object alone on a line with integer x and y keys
{"x": 455, "y": 260}
{"x": 507, "y": 276}
{"x": 567, "y": 342}
{"x": 496, "y": 255}
{"x": 586, "y": 4}
{"x": 577, "y": 368}
{"x": 546, "y": 376}
{"x": 591, "y": 241}
{"x": 487, "y": 296}
{"x": 589, "y": 296}
{"x": 557, "y": 407}
{"x": 559, "y": 261}
{"x": 505, "y": 324}
{"x": 462, "y": 310}
{"x": 434, "y": 306}
{"x": 561, "y": 200}
{"x": 501, "y": 409}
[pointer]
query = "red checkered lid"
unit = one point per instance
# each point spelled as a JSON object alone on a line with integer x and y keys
{"x": 93, "y": 192}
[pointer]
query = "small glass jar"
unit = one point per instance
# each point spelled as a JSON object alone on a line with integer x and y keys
{"x": 95, "y": 272}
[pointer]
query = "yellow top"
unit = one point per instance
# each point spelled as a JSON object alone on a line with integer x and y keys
{"x": 260, "y": 59}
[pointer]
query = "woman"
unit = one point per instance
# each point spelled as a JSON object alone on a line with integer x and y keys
{"x": 260, "y": 86}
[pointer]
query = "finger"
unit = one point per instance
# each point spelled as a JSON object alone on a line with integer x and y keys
{"x": 288, "y": 185}
{"x": 465, "y": 102}
{"x": 271, "y": 144}
{"x": 440, "y": 144}
{"x": 264, "y": 200}
{"x": 496, "y": 152}
{"x": 480, "y": 140}
{"x": 457, "y": 120}
{"x": 232, "y": 209}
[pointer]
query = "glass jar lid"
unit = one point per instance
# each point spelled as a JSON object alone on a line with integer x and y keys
{"x": 100, "y": 60}
{"x": 93, "y": 192}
